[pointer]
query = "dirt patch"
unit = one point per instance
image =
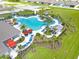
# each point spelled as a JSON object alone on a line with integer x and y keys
{"x": 51, "y": 44}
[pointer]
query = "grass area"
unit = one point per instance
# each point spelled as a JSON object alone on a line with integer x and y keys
{"x": 78, "y": 7}
{"x": 5, "y": 16}
{"x": 25, "y": 12}
{"x": 41, "y": 53}
{"x": 70, "y": 40}
{"x": 10, "y": 4}
{"x": 4, "y": 57}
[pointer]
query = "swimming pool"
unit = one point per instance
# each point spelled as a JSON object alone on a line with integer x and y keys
{"x": 31, "y": 22}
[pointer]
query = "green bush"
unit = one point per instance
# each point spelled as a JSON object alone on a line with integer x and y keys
{"x": 6, "y": 16}
{"x": 25, "y": 13}
{"x": 21, "y": 39}
{"x": 5, "y": 57}
{"x": 18, "y": 57}
{"x": 38, "y": 36}
{"x": 20, "y": 47}
{"x": 48, "y": 31}
{"x": 22, "y": 27}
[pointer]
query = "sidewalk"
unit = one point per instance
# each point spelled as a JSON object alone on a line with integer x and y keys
{"x": 66, "y": 7}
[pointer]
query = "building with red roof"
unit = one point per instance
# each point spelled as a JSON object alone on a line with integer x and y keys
{"x": 7, "y": 31}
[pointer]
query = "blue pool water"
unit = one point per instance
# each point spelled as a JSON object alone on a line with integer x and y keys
{"x": 31, "y": 22}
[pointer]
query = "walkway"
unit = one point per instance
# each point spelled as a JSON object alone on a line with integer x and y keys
{"x": 65, "y": 7}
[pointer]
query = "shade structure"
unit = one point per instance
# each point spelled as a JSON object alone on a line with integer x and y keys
{"x": 26, "y": 32}
{"x": 10, "y": 43}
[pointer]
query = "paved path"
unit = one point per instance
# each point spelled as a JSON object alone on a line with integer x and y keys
{"x": 66, "y": 7}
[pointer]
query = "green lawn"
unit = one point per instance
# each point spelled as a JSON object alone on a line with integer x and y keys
{"x": 70, "y": 41}
{"x": 78, "y": 7}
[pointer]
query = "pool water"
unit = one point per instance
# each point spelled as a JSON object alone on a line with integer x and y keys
{"x": 31, "y": 22}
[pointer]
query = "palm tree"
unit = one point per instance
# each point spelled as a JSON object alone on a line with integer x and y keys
{"x": 14, "y": 21}
{"x": 48, "y": 31}
{"x": 23, "y": 27}
{"x": 47, "y": 16}
{"x": 48, "y": 19}
{"x": 38, "y": 36}
{"x": 21, "y": 39}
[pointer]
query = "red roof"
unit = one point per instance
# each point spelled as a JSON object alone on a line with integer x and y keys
{"x": 30, "y": 30}
{"x": 10, "y": 43}
{"x": 27, "y": 31}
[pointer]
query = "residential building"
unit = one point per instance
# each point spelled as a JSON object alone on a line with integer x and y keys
{"x": 68, "y": 2}
{"x": 7, "y": 32}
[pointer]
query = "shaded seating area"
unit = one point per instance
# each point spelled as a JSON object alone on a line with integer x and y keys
{"x": 10, "y": 43}
{"x": 26, "y": 32}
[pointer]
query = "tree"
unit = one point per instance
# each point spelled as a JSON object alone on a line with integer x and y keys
{"x": 38, "y": 36}
{"x": 48, "y": 19}
{"x": 21, "y": 39}
{"x": 48, "y": 31}
{"x": 14, "y": 21}
{"x": 23, "y": 27}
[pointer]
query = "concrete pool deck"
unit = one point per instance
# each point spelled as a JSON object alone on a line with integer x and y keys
{"x": 30, "y": 37}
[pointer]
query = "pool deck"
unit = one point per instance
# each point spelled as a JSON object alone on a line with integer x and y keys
{"x": 30, "y": 37}
{"x": 38, "y": 31}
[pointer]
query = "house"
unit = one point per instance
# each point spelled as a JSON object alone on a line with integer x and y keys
{"x": 57, "y": 2}
{"x": 6, "y": 33}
